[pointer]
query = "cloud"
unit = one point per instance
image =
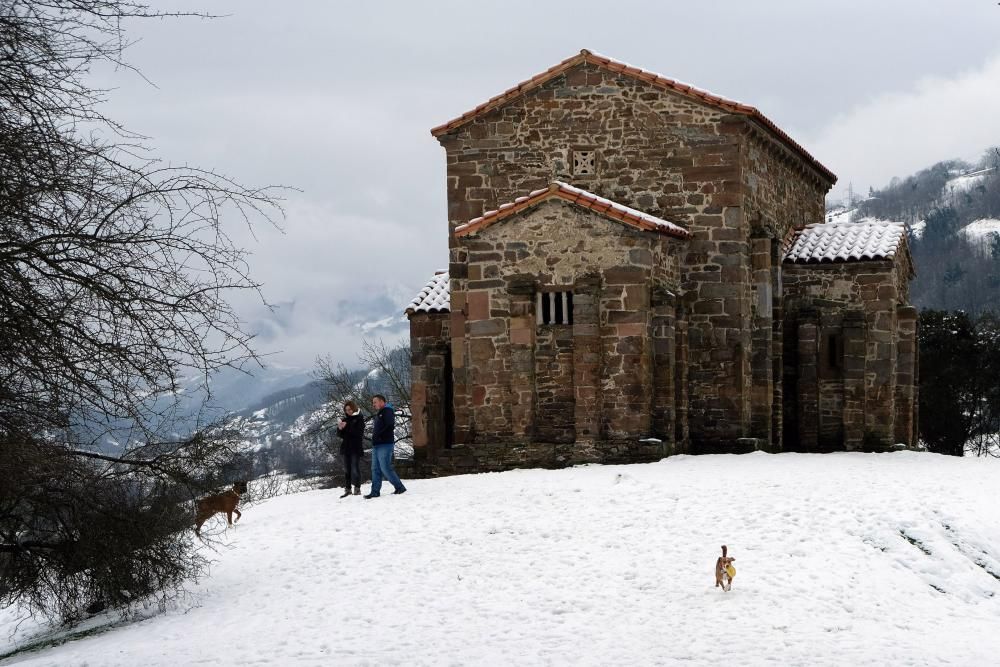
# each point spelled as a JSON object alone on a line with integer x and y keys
{"x": 898, "y": 133}
{"x": 337, "y": 99}
{"x": 334, "y": 278}
{"x": 365, "y": 227}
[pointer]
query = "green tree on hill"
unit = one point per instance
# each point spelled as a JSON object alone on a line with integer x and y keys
{"x": 959, "y": 383}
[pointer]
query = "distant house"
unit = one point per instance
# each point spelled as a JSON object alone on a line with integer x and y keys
{"x": 640, "y": 268}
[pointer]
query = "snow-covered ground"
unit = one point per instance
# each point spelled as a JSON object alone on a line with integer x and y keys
{"x": 839, "y": 215}
{"x": 981, "y": 230}
{"x": 965, "y": 182}
{"x": 842, "y": 559}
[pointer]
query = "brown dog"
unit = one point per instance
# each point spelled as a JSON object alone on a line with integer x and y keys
{"x": 220, "y": 502}
{"x": 724, "y": 571}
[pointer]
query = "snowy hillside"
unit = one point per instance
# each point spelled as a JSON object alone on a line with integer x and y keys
{"x": 965, "y": 180}
{"x": 981, "y": 231}
{"x": 282, "y": 416}
{"x": 841, "y": 559}
{"x": 953, "y": 187}
{"x": 840, "y": 215}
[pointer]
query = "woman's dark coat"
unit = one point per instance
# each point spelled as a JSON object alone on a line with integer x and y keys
{"x": 352, "y": 435}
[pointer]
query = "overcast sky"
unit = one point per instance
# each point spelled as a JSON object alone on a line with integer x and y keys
{"x": 337, "y": 100}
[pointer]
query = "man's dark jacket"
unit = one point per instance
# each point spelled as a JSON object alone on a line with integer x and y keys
{"x": 384, "y": 426}
{"x": 352, "y": 435}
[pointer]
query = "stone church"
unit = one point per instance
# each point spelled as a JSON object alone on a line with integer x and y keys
{"x": 639, "y": 268}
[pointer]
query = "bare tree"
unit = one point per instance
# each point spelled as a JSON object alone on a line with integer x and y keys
{"x": 115, "y": 270}
{"x": 384, "y": 370}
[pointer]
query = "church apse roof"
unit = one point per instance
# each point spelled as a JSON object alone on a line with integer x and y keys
{"x": 588, "y": 200}
{"x": 846, "y": 242}
{"x": 658, "y": 80}
{"x": 435, "y": 297}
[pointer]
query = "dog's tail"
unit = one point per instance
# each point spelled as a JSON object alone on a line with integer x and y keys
{"x": 723, "y": 550}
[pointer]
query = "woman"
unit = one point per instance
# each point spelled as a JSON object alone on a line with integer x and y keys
{"x": 351, "y": 429}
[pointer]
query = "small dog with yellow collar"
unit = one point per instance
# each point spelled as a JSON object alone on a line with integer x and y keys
{"x": 724, "y": 571}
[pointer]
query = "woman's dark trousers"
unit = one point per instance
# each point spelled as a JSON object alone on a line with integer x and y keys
{"x": 352, "y": 470}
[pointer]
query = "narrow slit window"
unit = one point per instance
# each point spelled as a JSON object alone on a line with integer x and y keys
{"x": 831, "y": 352}
{"x": 554, "y": 308}
{"x": 834, "y": 351}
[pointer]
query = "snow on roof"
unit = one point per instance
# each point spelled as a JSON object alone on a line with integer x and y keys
{"x": 435, "y": 297}
{"x": 846, "y": 242}
{"x": 621, "y": 209}
{"x": 574, "y": 195}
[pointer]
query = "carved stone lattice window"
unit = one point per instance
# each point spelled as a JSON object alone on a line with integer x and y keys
{"x": 554, "y": 307}
{"x": 584, "y": 163}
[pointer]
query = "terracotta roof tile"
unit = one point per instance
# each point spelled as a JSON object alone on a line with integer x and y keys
{"x": 578, "y": 197}
{"x": 658, "y": 80}
{"x": 435, "y": 297}
{"x": 846, "y": 242}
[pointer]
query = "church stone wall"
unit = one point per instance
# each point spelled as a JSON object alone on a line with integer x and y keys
{"x": 430, "y": 371}
{"x": 590, "y": 383}
{"x": 781, "y": 192}
{"x": 850, "y": 356}
{"x": 708, "y": 344}
{"x": 668, "y": 156}
{"x": 654, "y": 149}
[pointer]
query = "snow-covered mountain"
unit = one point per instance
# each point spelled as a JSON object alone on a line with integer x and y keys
{"x": 301, "y": 416}
{"x": 841, "y": 559}
{"x": 233, "y": 390}
{"x": 281, "y": 417}
{"x": 952, "y": 213}
{"x": 198, "y": 403}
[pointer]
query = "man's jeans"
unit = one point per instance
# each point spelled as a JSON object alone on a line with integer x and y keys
{"x": 382, "y": 466}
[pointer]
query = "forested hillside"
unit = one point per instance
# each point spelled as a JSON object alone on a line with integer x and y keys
{"x": 952, "y": 211}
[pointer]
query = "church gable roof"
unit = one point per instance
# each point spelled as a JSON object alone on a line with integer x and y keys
{"x": 573, "y": 195}
{"x": 846, "y": 242}
{"x": 658, "y": 80}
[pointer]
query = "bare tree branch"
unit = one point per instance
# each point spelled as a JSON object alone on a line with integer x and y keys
{"x": 115, "y": 275}
{"x": 384, "y": 370}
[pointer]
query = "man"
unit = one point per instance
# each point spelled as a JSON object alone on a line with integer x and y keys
{"x": 383, "y": 442}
